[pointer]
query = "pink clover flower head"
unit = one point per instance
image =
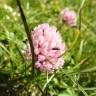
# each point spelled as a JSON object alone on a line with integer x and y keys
{"x": 69, "y": 16}
{"x": 48, "y": 48}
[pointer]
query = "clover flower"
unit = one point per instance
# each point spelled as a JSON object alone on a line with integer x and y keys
{"x": 69, "y": 17}
{"x": 48, "y": 48}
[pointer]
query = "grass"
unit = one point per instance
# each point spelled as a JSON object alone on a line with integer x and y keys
{"x": 77, "y": 77}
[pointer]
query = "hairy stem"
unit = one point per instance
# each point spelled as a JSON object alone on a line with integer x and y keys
{"x": 28, "y": 35}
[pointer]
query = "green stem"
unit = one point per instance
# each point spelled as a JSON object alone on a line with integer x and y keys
{"x": 74, "y": 42}
{"x": 80, "y": 13}
{"x": 47, "y": 84}
{"x": 48, "y": 81}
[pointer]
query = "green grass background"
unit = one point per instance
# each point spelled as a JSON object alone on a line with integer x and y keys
{"x": 76, "y": 78}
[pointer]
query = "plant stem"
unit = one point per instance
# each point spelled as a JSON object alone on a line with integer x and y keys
{"x": 48, "y": 81}
{"x": 28, "y": 35}
{"x": 73, "y": 43}
{"x": 46, "y": 89}
{"x": 80, "y": 13}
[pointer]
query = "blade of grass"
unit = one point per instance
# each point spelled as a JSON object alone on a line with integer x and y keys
{"x": 88, "y": 24}
{"x": 93, "y": 94}
{"x": 80, "y": 13}
{"x": 10, "y": 56}
{"x": 80, "y": 49}
{"x": 81, "y": 62}
{"x": 89, "y": 70}
{"x": 91, "y": 88}
{"x": 79, "y": 86}
{"x": 23, "y": 59}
